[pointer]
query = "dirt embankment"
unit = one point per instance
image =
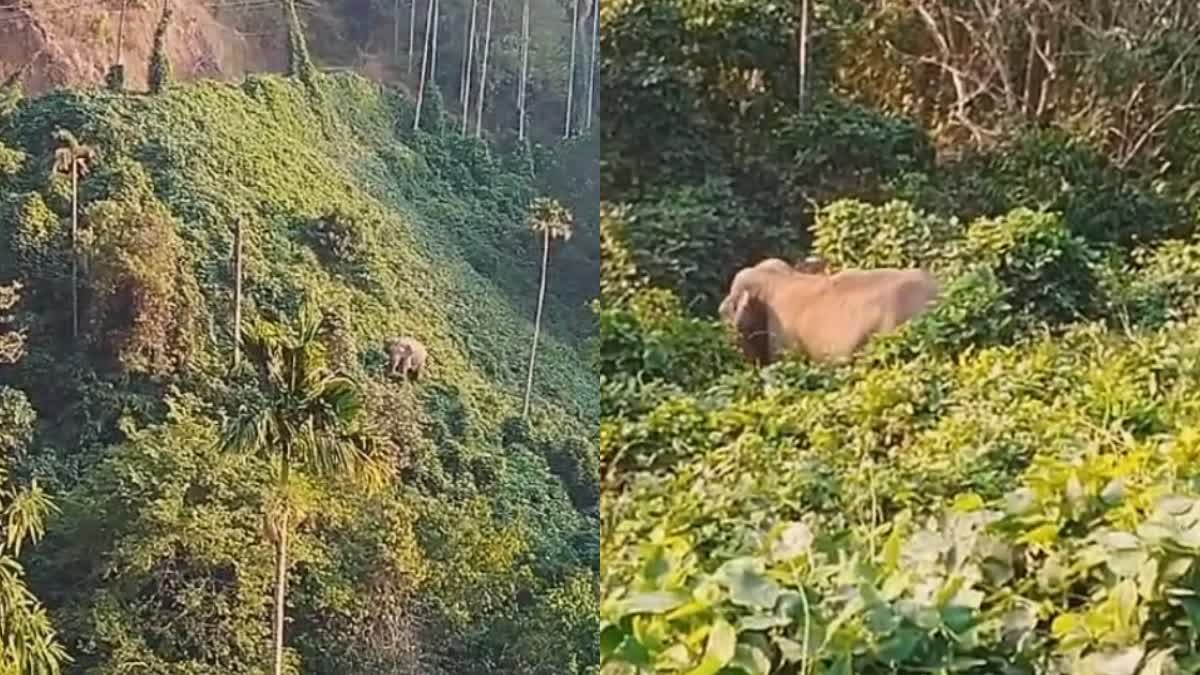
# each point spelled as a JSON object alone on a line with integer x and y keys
{"x": 73, "y": 42}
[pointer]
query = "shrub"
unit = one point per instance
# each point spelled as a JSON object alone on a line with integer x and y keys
{"x": 1052, "y": 171}
{"x": 1159, "y": 286}
{"x": 143, "y": 305}
{"x": 651, "y": 338}
{"x": 1046, "y": 270}
{"x": 342, "y": 241}
{"x": 853, "y": 233}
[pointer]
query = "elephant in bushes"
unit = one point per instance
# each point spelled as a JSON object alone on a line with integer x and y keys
{"x": 407, "y": 357}
{"x": 827, "y": 316}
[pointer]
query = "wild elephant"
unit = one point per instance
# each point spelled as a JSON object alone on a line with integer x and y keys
{"x": 828, "y": 317}
{"x": 406, "y": 357}
{"x": 753, "y": 343}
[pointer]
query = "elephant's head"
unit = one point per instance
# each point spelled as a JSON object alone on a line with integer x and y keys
{"x": 748, "y": 279}
{"x": 744, "y": 310}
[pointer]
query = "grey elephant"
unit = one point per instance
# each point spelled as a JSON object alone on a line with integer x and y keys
{"x": 828, "y": 317}
{"x": 407, "y": 357}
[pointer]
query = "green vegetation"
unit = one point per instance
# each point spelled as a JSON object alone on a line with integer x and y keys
{"x": 479, "y": 546}
{"x": 1007, "y": 484}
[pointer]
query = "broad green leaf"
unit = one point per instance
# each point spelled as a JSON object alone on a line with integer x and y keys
{"x": 748, "y": 585}
{"x": 652, "y": 602}
{"x": 965, "y": 503}
{"x": 610, "y": 638}
{"x": 1064, "y": 624}
{"x": 722, "y": 644}
{"x": 900, "y": 646}
{"x": 1044, "y": 535}
{"x": 789, "y": 650}
{"x": 759, "y": 622}
{"x": 750, "y": 660}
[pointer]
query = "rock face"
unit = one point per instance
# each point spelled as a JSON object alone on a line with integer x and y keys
{"x": 76, "y": 45}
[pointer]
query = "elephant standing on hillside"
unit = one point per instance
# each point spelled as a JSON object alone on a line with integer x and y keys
{"x": 406, "y": 356}
{"x": 829, "y": 317}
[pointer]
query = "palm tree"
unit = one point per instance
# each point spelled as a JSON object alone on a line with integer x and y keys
{"x": 238, "y": 262}
{"x": 524, "y": 71}
{"x": 437, "y": 17}
{"x": 75, "y": 159}
{"x": 412, "y": 32}
{"x": 571, "y": 74}
{"x": 30, "y": 644}
{"x": 424, "y": 65}
{"x": 595, "y": 65}
{"x": 310, "y": 419}
{"x": 468, "y": 57}
{"x": 553, "y": 221}
{"x": 802, "y": 56}
{"x": 487, "y": 43}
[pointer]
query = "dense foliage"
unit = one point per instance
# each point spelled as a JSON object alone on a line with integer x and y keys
{"x": 1007, "y": 484}
{"x": 480, "y": 548}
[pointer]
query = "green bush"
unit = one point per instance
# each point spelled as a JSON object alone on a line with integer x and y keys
{"x": 1052, "y": 171}
{"x": 1046, "y": 270}
{"x": 853, "y": 233}
{"x": 651, "y": 338}
{"x": 694, "y": 238}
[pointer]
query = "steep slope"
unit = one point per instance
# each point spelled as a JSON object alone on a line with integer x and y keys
{"x": 389, "y": 232}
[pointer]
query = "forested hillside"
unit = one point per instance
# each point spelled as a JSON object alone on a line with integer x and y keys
{"x": 1007, "y": 484}
{"x": 430, "y": 528}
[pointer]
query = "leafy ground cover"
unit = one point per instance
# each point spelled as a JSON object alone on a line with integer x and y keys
{"x": 485, "y": 544}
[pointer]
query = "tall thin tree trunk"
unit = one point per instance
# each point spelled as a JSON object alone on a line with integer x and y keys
{"x": 537, "y": 323}
{"x": 424, "y": 65}
{"x": 437, "y": 13}
{"x": 466, "y": 86}
{"x": 412, "y": 32}
{"x": 396, "y": 31}
{"x": 524, "y": 71}
{"x": 121, "y": 33}
{"x": 237, "y": 294}
{"x": 595, "y": 65}
{"x": 74, "y": 248}
{"x": 281, "y": 552}
{"x": 571, "y": 74}
{"x": 803, "y": 56}
{"x": 487, "y": 43}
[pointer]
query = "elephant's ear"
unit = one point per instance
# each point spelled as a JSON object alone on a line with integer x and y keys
{"x": 750, "y": 322}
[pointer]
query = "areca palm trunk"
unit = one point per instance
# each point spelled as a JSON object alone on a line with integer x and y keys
{"x": 281, "y": 550}
{"x": 537, "y": 323}
{"x": 803, "y": 55}
{"x": 121, "y": 33}
{"x": 524, "y": 71}
{"x": 487, "y": 43}
{"x": 237, "y": 295}
{"x": 571, "y": 75}
{"x": 437, "y": 13}
{"x": 74, "y": 248}
{"x": 412, "y": 32}
{"x": 424, "y": 65}
{"x": 587, "y": 124}
{"x": 470, "y": 56}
